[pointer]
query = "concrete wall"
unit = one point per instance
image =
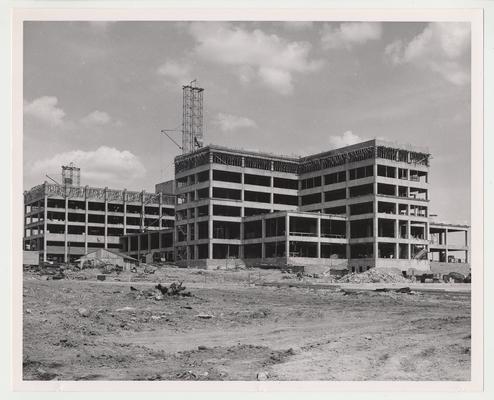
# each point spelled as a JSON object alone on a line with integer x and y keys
{"x": 30, "y": 257}
{"x": 446, "y": 268}
{"x": 212, "y": 264}
{"x": 403, "y": 265}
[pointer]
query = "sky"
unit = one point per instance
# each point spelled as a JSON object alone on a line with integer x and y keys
{"x": 99, "y": 93}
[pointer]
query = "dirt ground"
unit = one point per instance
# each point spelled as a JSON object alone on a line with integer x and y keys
{"x": 241, "y": 325}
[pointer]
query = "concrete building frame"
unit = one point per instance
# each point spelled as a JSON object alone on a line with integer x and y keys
{"x": 65, "y": 222}
{"x": 381, "y": 189}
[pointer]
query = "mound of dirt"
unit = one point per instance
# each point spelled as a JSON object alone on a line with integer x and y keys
{"x": 374, "y": 276}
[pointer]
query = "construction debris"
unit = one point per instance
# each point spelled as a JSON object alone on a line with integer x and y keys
{"x": 204, "y": 316}
{"x": 374, "y": 276}
{"x": 83, "y": 312}
{"x": 160, "y": 291}
{"x": 262, "y": 376}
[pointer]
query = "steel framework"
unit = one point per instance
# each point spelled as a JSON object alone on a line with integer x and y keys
{"x": 192, "y": 122}
{"x": 71, "y": 175}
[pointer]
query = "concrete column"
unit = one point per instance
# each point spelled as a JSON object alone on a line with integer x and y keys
{"x": 106, "y": 218}
{"x": 86, "y": 230}
{"x": 287, "y": 236}
{"x": 271, "y": 194}
{"x": 375, "y": 219}
{"x": 65, "y": 256}
{"x": 210, "y": 250}
{"x": 263, "y": 235}
{"x": 124, "y": 202}
{"x": 45, "y": 225}
{"x": 210, "y": 208}
{"x": 242, "y": 236}
{"x": 318, "y": 232}
{"x": 139, "y": 247}
{"x": 446, "y": 243}
{"x": 143, "y": 211}
{"x": 347, "y": 233}
{"x": 242, "y": 194}
{"x": 160, "y": 211}
{"x": 160, "y": 242}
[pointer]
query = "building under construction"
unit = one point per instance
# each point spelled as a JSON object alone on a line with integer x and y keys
{"x": 358, "y": 207}
{"x": 64, "y": 222}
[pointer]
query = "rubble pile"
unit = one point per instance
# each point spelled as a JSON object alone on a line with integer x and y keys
{"x": 160, "y": 291}
{"x": 374, "y": 276}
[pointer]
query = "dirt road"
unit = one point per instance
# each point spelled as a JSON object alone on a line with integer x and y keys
{"x": 283, "y": 333}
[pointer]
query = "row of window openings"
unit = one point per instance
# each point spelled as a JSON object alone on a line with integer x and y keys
{"x": 111, "y": 219}
{"x": 93, "y": 230}
{"x": 235, "y": 177}
{"x": 143, "y": 243}
{"x": 95, "y": 206}
{"x": 355, "y": 209}
{"x": 339, "y": 194}
{"x": 364, "y": 190}
{"x": 253, "y": 229}
{"x": 271, "y": 250}
{"x": 388, "y": 228}
{"x": 40, "y": 246}
{"x": 388, "y": 250}
{"x": 235, "y": 194}
{"x": 388, "y": 208}
{"x": 365, "y": 172}
{"x": 305, "y": 250}
{"x": 308, "y": 183}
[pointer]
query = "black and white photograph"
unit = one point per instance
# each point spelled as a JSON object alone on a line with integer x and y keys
{"x": 256, "y": 200}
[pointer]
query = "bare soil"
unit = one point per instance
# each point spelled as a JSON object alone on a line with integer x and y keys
{"x": 233, "y": 328}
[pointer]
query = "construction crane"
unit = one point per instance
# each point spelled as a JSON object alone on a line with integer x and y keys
{"x": 165, "y": 131}
{"x": 192, "y": 119}
{"x": 50, "y": 178}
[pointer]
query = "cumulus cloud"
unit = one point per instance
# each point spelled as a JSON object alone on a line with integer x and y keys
{"x": 270, "y": 59}
{"x": 45, "y": 109}
{"x": 229, "y": 122}
{"x": 346, "y": 139}
{"x": 350, "y": 34}
{"x": 97, "y": 118}
{"x": 442, "y": 47}
{"x": 175, "y": 72}
{"x": 103, "y": 166}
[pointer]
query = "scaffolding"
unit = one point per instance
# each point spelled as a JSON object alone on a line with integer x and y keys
{"x": 192, "y": 122}
{"x": 71, "y": 175}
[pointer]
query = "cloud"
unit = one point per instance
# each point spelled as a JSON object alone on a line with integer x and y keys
{"x": 45, "y": 109}
{"x": 96, "y": 118}
{"x": 99, "y": 118}
{"x": 103, "y": 166}
{"x": 254, "y": 55}
{"x": 229, "y": 122}
{"x": 350, "y": 34}
{"x": 175, "y": 72}
{"x": 347, "y": 139}
{"x": 442, "y": 47}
